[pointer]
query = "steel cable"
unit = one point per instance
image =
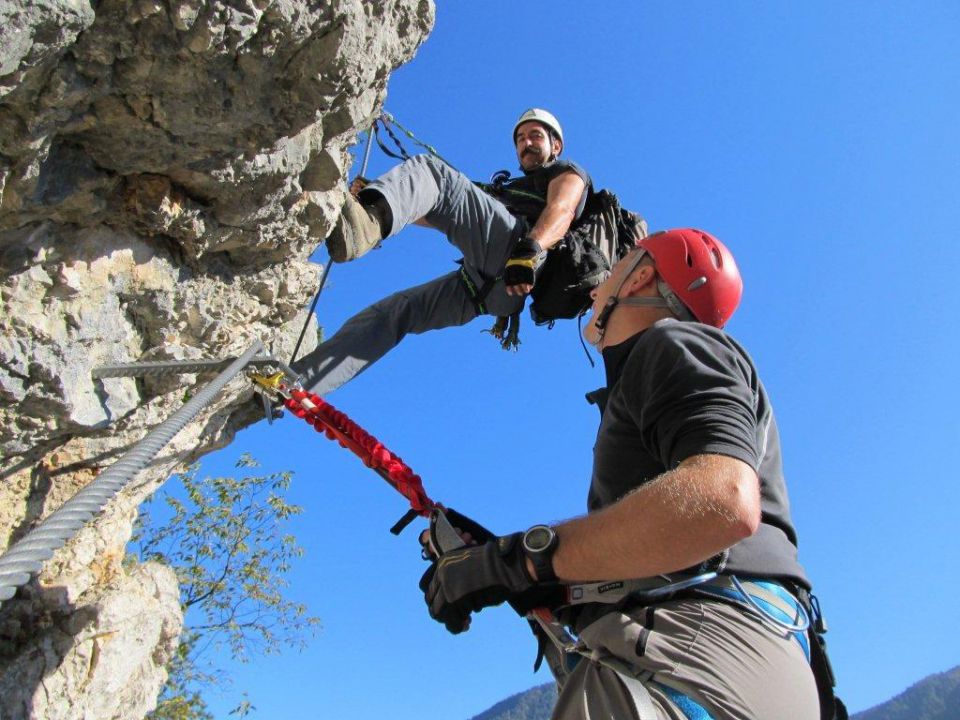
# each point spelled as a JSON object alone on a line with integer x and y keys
{"x": 170, "y": 367}
{"x": 26, "y": 557}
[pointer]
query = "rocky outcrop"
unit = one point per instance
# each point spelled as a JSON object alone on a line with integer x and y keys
{"x": 166, "y": 169}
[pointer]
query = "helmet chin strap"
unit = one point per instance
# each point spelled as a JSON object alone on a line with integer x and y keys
{"x": 667, "y": 299}
{"x": 613, "y": 302}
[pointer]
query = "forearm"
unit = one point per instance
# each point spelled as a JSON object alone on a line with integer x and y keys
{"x": 563, "y": 198}
{"x": 678, "y": 520}
{"x": 552, "y": 225}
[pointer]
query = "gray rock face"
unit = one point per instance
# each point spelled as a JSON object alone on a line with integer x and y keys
{"x": 166, "y": 169}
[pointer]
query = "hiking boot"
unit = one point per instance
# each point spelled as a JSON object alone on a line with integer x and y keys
{"x": 356, "y": 233}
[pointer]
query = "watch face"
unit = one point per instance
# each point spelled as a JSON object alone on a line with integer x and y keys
{"x": 538, "y": 538}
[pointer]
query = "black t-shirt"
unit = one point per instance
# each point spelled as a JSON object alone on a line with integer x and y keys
{"x": 679, "y": 389}
{"x": 526, "y": 196}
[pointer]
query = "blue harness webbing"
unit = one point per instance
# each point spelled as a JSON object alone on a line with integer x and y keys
{"x": 758, "y": 596}
{"x": 691, "y": 709}
{"x": 772, "y": 598}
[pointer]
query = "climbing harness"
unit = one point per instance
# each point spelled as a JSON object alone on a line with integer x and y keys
{"x": 506, "y": 329}
{"x": 477, "y": 295}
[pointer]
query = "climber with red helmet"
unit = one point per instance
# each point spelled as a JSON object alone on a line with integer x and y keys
{"x": 681, "y": 584}
{"x": 504, "y": 231}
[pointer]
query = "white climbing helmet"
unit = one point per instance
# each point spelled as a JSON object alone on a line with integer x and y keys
{"x": 544, "y": 118}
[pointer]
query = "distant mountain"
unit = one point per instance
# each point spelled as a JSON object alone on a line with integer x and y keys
{"x": 936, "y": 697}
{"x": 534, "y": 704}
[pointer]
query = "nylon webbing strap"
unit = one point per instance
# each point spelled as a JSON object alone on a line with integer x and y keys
{"x": 386, "y": 118}
{"x": 337, "y": 426}
{"x": 641, "y": 696}
{"x": 477, "y": 295}
{"x": 690, "y": 708}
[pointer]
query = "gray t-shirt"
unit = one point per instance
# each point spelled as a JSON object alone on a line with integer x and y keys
{"x": 679, "y": 389}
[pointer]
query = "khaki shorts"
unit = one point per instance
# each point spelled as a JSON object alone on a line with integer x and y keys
{"x": 719, "y": 655}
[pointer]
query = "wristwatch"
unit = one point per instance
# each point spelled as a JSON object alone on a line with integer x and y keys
{"x": 539, "y": 543}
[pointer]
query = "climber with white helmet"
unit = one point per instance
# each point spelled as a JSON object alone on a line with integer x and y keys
{"x": 504, "y": 231}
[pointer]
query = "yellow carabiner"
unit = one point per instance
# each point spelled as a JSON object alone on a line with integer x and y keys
{"x": 267, "y": 382}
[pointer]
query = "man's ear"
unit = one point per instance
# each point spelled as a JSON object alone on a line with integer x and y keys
{"x": 556, "y": 146}
{"x": 642, "y": 281}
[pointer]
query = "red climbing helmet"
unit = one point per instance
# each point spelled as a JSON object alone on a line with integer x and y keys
{"x": 700, "y": 272}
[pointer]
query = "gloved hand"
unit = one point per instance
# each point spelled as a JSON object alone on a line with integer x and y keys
{"x": 518, "y": 270}
{"x": 469, "y": 532}
{"x": 472, "y": 578}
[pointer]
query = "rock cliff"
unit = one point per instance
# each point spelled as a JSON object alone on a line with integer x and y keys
{"x": 166, "y": 169}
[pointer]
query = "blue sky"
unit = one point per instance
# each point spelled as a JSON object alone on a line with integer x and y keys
{"x": 819, "y": 141}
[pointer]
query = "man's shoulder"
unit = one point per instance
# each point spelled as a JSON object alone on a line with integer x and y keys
{"x": 559, "y": 167}
{"x": 673, "y": 342}
{"x": 570, "y": 165}
{"x": 671, "y": 331}
{"x": 673, "y": 337}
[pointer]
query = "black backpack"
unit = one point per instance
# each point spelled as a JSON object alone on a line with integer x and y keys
{"x": 582, "y": 260}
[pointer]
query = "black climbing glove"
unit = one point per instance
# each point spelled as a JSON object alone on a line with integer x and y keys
{"x": 519, "y": 267}
{"x": 464, "y": 524}
{"x": 444, "y": 537}
{"x": 472, "y": 578}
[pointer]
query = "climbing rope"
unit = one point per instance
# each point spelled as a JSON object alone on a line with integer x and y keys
{"x": 313, "y": 307}
{"x": 386, "y": 120}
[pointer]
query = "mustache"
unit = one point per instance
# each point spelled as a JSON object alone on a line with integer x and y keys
{"x": 530, "y": 151}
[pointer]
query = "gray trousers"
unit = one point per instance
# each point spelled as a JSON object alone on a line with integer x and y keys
{"x": 724, "y": 658}
{"x": 477, "y": 224}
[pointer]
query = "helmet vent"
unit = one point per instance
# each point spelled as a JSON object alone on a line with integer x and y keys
{"x": 712, "y": 248}
{"x": 698, "y": 283}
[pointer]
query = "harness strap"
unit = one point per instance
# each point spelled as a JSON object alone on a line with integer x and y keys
{"x": 637, "y": 686}
{"x": 404, "y": 155}
{"x": 613, "y": 592}
{"x": 773, "y": 600}
{"x": 477, "y": 295}
{"x": 641, "y": 697}
{"x": 506, "y": 329}
{"x": 690, "y": 708}
{"x": 768, "y": 600}
{"x": 831, "y": 706}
